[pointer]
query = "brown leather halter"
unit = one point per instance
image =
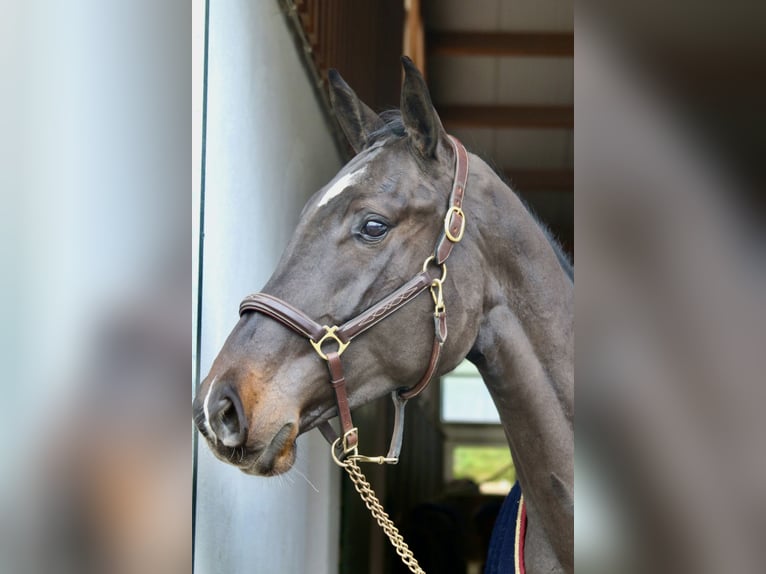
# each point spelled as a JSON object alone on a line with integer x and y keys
{"x": 318, "y": 335}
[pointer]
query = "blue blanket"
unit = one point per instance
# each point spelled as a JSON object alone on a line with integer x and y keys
{"x": 506, "y": 547}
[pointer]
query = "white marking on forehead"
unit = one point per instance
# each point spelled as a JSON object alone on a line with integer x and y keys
{"x": 206, "y": 408}
{"x": 342, "y": 184}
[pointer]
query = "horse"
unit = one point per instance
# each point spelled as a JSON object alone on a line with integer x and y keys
{"x": 363, "y": 245}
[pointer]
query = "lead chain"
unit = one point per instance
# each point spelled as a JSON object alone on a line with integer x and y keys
{"x": 381, "y": 516}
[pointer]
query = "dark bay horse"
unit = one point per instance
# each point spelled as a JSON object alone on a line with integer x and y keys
{"x": 509, "y": 294}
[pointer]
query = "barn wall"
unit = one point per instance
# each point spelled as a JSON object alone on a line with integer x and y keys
{"x": 267, "y": 149}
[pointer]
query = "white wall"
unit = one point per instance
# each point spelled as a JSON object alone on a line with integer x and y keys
{"x": 268, "y": 149}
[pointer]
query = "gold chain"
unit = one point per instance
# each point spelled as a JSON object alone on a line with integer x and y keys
{"x": 352, "y": 454}
{"x": 381, "y": 516}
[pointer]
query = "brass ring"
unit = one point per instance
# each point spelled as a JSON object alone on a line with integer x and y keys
{"x": 443, "y": 266}
{"x": 329, "y": 334}
{"x": 333, "y": 449}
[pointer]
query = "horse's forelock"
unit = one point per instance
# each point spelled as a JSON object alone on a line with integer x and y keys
{"x": 393, "y": 126}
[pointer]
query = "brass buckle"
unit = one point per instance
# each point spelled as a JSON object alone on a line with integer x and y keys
{"x": 454, "y": 209}
{"x": 330, "y": 334}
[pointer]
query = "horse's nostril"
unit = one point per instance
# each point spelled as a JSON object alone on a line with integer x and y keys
{"x": 227, "y": 420}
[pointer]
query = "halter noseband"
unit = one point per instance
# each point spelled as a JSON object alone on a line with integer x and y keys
{"x": 318, "y": 335}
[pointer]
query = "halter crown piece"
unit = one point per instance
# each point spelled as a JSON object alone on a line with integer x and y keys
{"x": 345, "y": 449}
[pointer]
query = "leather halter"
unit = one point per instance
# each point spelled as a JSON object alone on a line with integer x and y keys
{"x": 318, "y": 335}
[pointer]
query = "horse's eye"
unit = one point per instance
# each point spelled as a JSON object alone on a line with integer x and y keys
{"x": 374, "y": 229}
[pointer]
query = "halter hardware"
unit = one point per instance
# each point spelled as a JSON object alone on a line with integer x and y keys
{"x": 437, "y": 294}
{"x": 351, "y": 453}
{"x": 436, "y": 287}
{"x": 430, "y": 260}
{"x": 329, "y": 334}
{"x": 454, "y": 210}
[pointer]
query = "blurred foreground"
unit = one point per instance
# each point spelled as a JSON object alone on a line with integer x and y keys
{"x": 670, "y": 284}
{"x": 96, "y": 269}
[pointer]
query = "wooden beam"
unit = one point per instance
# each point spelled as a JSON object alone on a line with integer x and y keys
{"x": 525, "y": 180}
{"x": 414, "y": 36}
{"x": 507, "y": 116}
{"x": 500, "y": 43}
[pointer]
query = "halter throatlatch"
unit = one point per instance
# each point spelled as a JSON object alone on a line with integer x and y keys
{"x": 331, "y": 341}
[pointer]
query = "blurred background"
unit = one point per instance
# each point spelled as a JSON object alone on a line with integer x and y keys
{"x": 665, "y": 187}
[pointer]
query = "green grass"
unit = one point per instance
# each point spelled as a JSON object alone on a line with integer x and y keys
{"x": 481, "y": 463}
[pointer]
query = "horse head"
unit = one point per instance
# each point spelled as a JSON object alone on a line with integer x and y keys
{"x": 362, "y": 236}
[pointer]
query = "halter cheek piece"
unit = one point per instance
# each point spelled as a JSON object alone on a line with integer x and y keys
{"x": 322, "y": 337}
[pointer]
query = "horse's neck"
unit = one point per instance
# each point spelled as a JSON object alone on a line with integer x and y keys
{"x": 524, "y": 351}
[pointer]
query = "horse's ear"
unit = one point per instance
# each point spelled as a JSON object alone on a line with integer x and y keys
{"x": 354, "y": 116}
{"x": 418, "y": 114}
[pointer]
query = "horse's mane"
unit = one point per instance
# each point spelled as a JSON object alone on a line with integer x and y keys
{"x": 561, "y": 255}
{"x": 393, "y": 128}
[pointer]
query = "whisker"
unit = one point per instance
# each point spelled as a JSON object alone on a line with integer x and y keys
{"x": 307, "y": 480}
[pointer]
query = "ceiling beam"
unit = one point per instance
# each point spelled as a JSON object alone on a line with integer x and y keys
{"x": 500, "y": 43}
{"x": 525, "y": 180}
{"x": 507, "y": 116}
